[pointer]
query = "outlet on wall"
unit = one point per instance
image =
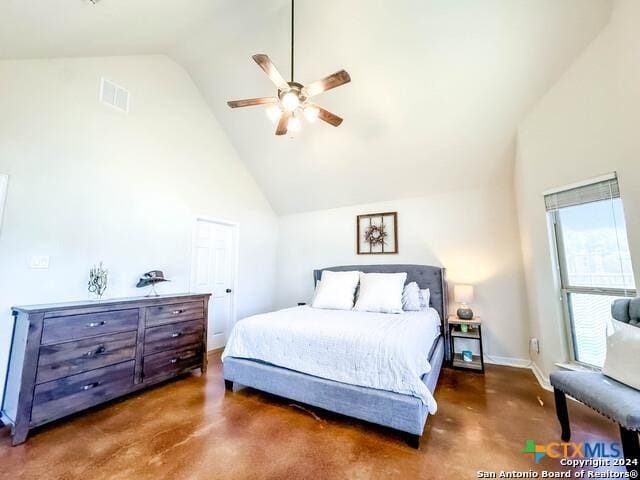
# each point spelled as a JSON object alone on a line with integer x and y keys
{"x": 535, "y": 344}
{"x": 39, "y": 261}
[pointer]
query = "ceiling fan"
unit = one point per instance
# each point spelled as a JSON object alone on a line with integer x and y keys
{"x": 293, "y": 98}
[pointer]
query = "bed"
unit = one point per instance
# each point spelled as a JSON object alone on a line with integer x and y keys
{"x": 341, "y": 379}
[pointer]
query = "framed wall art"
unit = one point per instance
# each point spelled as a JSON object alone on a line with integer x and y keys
{"x": 377, "y": 233}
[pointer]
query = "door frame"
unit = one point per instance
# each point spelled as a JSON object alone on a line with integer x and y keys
{"x": 235, "y": 260}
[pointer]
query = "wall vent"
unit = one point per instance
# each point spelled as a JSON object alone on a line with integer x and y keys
{"x": 114, "y": 95}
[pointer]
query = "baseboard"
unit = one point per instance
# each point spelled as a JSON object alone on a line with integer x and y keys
{"x": 542, "y": 379}
{"x": 507, "y": 361}
{"x": 520, "y": 363}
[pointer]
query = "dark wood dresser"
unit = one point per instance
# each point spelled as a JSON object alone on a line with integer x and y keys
{"x": 67, "y": 357}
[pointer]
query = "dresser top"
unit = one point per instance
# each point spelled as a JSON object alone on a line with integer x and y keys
{"x": 111, "y": 302}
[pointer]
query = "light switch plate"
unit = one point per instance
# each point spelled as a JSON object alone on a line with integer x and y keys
{"x": 39, "y": 261}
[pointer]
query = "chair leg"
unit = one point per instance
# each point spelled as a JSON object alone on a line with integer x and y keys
{"x": 563, "y": 414}
{"x": 630, "y": 448}
{"x": 228, "y": 385}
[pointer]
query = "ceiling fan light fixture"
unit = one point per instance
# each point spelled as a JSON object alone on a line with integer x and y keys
{"x": 290, "y": 101}
{"x": 274, "y": 112}
{"x": 311, "y": 113}
{"x": 294, "y": 124}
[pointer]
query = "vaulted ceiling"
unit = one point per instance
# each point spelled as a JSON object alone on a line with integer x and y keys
{"x": 438, "y": 86}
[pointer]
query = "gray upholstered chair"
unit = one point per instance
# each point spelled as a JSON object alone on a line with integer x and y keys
{"x": 612, "y": 399}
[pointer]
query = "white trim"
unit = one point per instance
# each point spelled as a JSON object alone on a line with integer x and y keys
{"x": 571, "y": 186}
{"x": 577, "y": 367}
{"x": 507, "y": 361}
{"x": 236, "y": 261}
{"x": 542, "y": 379}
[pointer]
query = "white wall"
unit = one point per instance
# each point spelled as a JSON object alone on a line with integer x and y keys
{"x": 88, "y": 183}
{"x": 587, "y": 125}
{"x": 472, "y": 233}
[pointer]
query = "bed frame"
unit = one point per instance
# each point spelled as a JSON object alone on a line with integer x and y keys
{"x": 405, "y": 413}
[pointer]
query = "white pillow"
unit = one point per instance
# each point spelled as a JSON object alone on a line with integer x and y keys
{"x": 381, "y": 292}
{"x": 336, "y": 290}
{"x": 411, "y": 297}
{"x": 623, "y": 345}
{"x": 425, "y": 298}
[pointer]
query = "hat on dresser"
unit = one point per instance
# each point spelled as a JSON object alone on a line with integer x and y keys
{"x": 151, "y": 278}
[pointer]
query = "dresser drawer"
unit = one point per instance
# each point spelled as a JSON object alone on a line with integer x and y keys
{"x": 77, "y": 356}
{"x": 177, "y": 312}
{"x": 166, "y": 364}
{"x": 173, "y": 336}
{"x": 62, "y": 329}
{"x": 62, "y": 397}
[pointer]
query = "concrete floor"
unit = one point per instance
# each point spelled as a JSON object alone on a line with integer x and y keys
{"x": 192, "y": 429}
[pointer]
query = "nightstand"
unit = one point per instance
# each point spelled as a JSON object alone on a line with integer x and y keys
{"x": 474, "y": 333}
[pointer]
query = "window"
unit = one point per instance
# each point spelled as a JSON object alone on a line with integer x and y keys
{"x": 594, "y": 262}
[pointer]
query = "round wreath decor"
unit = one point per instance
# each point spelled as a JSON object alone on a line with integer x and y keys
{"x": 375, "y": 235}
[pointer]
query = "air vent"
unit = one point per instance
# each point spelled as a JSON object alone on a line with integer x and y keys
{"x": 114, "y": 95}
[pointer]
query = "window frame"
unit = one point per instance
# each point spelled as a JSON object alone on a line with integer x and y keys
{"x": 566, "y": 289}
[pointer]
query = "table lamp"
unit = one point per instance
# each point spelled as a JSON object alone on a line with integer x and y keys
{"x": 463, "y": 295}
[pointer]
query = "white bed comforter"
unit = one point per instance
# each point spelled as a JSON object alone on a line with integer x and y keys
{"x": 375, "y": 350}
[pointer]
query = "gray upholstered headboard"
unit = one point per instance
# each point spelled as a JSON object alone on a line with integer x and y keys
{"x": 433, "y": 278}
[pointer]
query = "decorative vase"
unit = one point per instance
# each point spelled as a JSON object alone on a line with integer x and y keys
{"x": 467, "y": 356}
{"x": 465, "y": 313}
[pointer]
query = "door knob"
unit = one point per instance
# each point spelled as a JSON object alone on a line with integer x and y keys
{"x": 228, "y": 290}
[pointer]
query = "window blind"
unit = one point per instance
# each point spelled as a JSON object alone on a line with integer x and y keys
{"x": 595, "y": 192}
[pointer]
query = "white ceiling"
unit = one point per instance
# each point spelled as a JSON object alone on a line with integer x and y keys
{"x": 74, "y": 28}
{"x": 438, "y": 86}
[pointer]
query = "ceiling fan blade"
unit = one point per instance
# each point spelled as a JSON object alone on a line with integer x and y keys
{"x": 327, "y": 116}
{"x": 283, "y": 123}
{"x": 327, "y": 83}
{"x": 269, "y": 68}
{"x": 250, "y": 102}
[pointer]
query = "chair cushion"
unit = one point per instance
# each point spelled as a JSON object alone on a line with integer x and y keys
{"x": 608, "y": 397}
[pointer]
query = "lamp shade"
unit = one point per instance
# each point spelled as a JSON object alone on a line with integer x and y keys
{"x": 463, "y": 293}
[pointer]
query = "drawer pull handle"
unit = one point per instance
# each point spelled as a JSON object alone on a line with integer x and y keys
{"x": 176, "y": 334}
{"x": 89, "y": 386}
{"x": 96, "y": 324}
{"x": 94, "y": 353}
{"x": 176, "y": 312}
{"x": 181, "y": 359}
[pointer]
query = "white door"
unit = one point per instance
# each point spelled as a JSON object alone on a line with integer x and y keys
{"x": 213, "y": 271}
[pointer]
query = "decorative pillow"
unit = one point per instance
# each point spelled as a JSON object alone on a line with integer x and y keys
{"x": 411, "y": 297}
{"x": 622, "y": 345}
{"x": 381, "y": 292}
{"x": 425, "y": 298}
{"x": 335, "y": 290}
